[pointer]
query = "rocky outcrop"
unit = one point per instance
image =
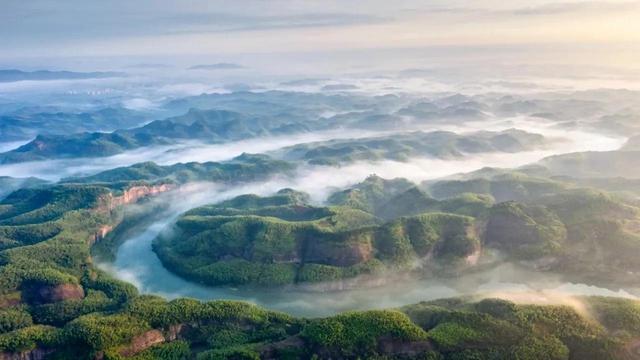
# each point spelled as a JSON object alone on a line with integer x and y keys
{"x": 274, "y": 350}
{"x": 35, "y": 354}
{"x": 472, "y": 259}
{"x": 102, "y": 232}
{"x": 143, "y": 342}
{"x": 129, "y": 196}
{"x": 10, "y": 299}
{"x": 175, "y": 332}
{"x": 338, "y": 253}
{"x": 390, "y": 346}
{"x": 133, "y": 194}
{"x": 55, "y": 293}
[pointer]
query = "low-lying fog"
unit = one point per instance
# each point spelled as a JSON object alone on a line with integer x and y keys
{"x": 566, "y": 140}
{"x": 135, "y": 262}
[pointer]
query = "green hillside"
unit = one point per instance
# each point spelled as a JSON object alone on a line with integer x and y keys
{"x": 404, "y": 146}
{"x": 280, "y": 240}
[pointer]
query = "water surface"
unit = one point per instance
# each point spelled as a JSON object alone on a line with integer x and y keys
{"x": 137, "y": 263}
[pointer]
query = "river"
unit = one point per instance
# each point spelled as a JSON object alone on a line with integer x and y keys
{"x": 135, "y": 262}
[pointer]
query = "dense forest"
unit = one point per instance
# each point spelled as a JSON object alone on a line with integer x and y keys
{"x": 320, "y": 193}
{"x": 56, "y": 302}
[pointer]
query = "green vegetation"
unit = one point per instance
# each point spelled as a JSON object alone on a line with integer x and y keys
{"x": 104, "y": 331}
{"x": 584, "y": 233}
{"x": 176, "y": 350}
{"x": 24, "y": 125}
{"x": 246, "y": 167}
{"x": 603, "y": 164}
{"x": 371, "y": 194}
{"x": 402, "y": 147}
{"x": 381, "y": 225}
{"x": 357, "y": 333}
{"x": 10, "y": 184}
{"x": 54, "y": 302}
{"x": 495, "y": 328}
{"x": 14, "y": 318}
{"x": 281, "y": 240}
{"x": 214, "y": 125}
{"x": 524, "y": 232}
{"x": 224, "y": 121}
{"x": 509, "y": 186}
{"x": 30, "y": 337}
{"x": 616, "y": 315}
{"x": 390, "y": 199}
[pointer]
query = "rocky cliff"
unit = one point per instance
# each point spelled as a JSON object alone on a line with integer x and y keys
{"x": 129, "y": 196}
{"x": 133, "y": 194}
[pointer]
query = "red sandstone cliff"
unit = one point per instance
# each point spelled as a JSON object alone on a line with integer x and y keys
{"x": 133, "y": 194}
{"x": 129, "y": 196}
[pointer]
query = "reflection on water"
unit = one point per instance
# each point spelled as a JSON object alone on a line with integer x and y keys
{"x": 137, "y": 263}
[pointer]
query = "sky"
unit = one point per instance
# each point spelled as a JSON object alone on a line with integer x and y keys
{"x": 598, "y": 32}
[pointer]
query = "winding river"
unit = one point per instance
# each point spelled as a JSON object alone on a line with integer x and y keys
{"x": 136, "y": 262}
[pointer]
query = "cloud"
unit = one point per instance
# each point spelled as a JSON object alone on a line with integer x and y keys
{"x": 139, "y": 104}
{"x": 225, "y": 22}
{"x": 576, "y": 8}
{"x": 42, "y": 20}
{"x": 173, "y": 29}
{"x": 478, "y": 12}
{"x": 135, "y": 262}
{"x": 320, "y": 180}
{"x": 6, "y": 146}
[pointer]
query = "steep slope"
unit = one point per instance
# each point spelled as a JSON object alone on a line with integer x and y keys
{"x": 281, "y": 240}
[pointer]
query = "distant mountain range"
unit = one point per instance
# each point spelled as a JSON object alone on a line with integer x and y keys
{"x": 403, "y": 146}
{"x": 11, "y": 75}
{"x": 24, "y": 125}
{"x": 217, "y": 66}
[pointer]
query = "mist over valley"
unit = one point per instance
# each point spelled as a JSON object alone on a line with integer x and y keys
{"x": 319, "y": 180}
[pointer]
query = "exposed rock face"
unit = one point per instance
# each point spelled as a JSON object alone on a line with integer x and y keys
{"x": 338, "y": 254}
{"x": 409, "y": 349}
{"x": 272, "y": 351}
{"x": 101, "y": 233}
{"x": 9, "y": 300}
{"x": 143, "y": 342}
{"x": 129, "y": 196}
{"x": 475, "y": 231}
{"x": 386, "y": 346}
{"x": 35, "y": 354}
{"x": 133, "y": 194}
{"x": 49, "y": 294}
{"x": 472, "y": 259}
{"x": 175, "y": 332}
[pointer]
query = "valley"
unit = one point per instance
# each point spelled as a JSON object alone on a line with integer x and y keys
{"x": 303, "y": 225}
